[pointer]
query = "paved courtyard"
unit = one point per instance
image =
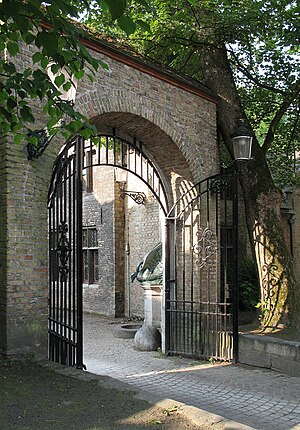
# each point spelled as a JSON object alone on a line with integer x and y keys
{"x": 259, "y": 398}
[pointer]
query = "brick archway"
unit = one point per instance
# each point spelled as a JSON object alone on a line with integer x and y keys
{"x": 175, "y": 118}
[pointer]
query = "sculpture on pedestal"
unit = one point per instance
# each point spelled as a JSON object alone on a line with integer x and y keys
{"x": 150, "y": 269}
{"x": 149, "y": 273}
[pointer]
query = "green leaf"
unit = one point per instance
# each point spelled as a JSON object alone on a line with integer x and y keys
{"x": 3, "y": 95}
{"x": 37, "y": 56}
{"x": 16, "y": 127}
{"x": 26, "y": 114}
{"x": 5, "y": 112}
{"x": 68, "y": 109}
{"x": 2, "y": 44}
{"x": 59, "y": 80}
{"x": 74, "y": 126}
{"x": 10, "y": 8}
{"x": 55, "y": 68}
{"x": 91, "y": 78}
{"x": 22, "y": 94}
{"x": 67, "y": 86}
{"x": 103, "y": 64}
{"x": 47, "y": 40}
{"x": 85, "y": 133}
{"x": 13, "y": 48}
{"x": 116, "y": 8}
{"x": 44, "y": 62}
{"x": 52, "y": 111}
{"x": 27, "y": 73}
{"x": 18, "y": 138}
{"x": 52, "y": 122}
{"x": 143, "y": 25}
{"x": 27, "y": 86}
{"x": 126, "y": 24}
{"x": 79, "y": 74}
{"x": 32, "y": 138}
{"x": 13, "y": 36}
{"x": 9, "y": 68}
{"x": 11, "y": 103}
{"x": 23, "y": 24}
{"x": 4, "y": 127}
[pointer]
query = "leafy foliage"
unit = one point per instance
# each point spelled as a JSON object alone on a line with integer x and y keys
{"x": 249, "y": 289}
{"x": 49, "y": 32}
{"x": 262, "y": 41}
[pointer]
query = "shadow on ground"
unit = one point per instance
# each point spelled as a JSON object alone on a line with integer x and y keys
{"x": 38, "y": 397}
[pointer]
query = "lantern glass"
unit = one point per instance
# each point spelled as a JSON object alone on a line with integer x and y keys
{"x": 66, "y": 95}
{"x": 121, "y": 175}
{"x": 242, "y": 147}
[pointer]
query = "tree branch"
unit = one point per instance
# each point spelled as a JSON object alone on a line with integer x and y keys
{"x": 293, "y": 132}
{"x": 189, "y": 56}
{"x": 288, "y": 99}
{"x": 193, "y": 13}
{"x": 252, "y": 78}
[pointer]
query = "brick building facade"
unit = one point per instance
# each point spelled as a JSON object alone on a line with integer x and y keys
{"x": 126, "y": 231}
{"x": 176, "y": 121}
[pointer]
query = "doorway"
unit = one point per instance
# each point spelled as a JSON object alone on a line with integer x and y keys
{"x": 199, "y": 291}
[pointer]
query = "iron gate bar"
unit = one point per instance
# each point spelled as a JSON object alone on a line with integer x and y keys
{"x": 199, "y": 321}
{"x": 236, "y": 265}
{"x": 79, "y": 252}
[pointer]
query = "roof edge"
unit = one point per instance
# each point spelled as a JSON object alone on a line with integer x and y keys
{"x": 117, "y": 54}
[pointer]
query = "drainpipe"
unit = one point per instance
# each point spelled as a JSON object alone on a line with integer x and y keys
{"x": 127, "y": 250}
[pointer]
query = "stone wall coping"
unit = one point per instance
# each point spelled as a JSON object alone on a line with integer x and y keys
{"x": 125, "y": 55}
{"x": 266, "y": 351}
{"x": 273, "y": 340}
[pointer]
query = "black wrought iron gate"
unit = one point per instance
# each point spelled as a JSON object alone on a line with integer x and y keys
{"x": 201, "y": 296}
{"x": 65, "y": 262}
{"x": 201, "y": 271}
{"x": 65, "y": 321}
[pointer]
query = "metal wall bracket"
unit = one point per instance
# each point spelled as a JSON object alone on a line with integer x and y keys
{"x": 137, "y": 196}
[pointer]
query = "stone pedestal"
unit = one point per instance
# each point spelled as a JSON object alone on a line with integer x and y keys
{"x": 152, "y": 305}
{"x": 148, "y": 337}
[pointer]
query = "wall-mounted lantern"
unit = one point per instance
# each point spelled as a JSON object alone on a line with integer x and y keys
{"x": 69, "y": 94}
{"x": 242, "y": 142}
{"x": 121, "y": 177}
{"x": 43, "y": 135}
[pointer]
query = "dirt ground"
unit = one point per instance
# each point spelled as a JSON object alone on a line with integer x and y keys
{"x": 41, "y": 398}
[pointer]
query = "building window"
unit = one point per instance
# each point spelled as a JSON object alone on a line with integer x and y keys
{"x": 90, "y": 255}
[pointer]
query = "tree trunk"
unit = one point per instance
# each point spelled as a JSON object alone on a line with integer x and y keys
{"x": 280, "y": 297}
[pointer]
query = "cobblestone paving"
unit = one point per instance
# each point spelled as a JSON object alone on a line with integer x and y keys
{"x": 262, "y": 399}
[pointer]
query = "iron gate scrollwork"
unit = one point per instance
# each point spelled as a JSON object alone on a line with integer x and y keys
{"x": 205, "y": 247}
{"x": 201, "y": 271}
{"x": 63, "y": 250}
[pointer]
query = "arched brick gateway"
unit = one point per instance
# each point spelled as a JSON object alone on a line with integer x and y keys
{"x": 176, "y": 120}
{"x": 199, "y": 300}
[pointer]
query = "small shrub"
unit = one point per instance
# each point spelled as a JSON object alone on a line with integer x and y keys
{"x": 249, "y": 290}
